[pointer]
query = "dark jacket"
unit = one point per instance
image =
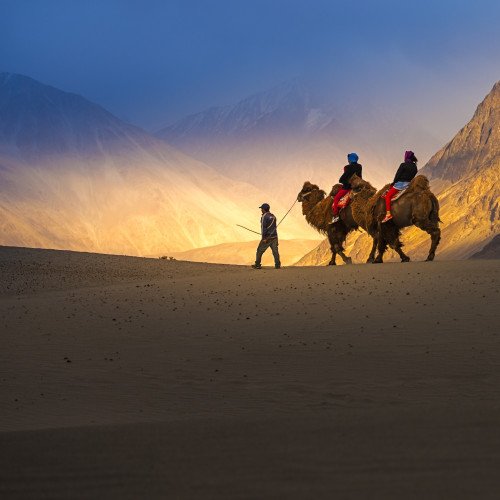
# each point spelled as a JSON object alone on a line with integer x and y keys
{"x": 349, "y": 171}
{"x": 268, "y": 226}
{"x": 406, "y": 172}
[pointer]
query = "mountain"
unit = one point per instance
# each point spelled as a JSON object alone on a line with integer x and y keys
{"x": 465, "y": 175}
{"x": 243, "y": 253}
{"x": 279, "y": 138}
{"x": 468, "y": 171}
{"x": 74, "y": 176}
{"x": 39, "y": 122}
{"x": 490, "y": 251}
{"x": 475, "y": 148}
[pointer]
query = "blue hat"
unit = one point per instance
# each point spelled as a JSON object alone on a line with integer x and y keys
{"x": 265, "y": 206}
{"x": 352, "y": 157}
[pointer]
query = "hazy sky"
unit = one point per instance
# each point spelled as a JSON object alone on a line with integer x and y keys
{"x": 154, "y": 61}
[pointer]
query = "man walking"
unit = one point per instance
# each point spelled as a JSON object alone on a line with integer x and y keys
{"x": 269, "y": 237}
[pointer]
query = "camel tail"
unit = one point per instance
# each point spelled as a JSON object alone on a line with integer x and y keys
{"x": 434, "y": 215}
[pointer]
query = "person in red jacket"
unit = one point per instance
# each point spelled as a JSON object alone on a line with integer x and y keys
{"x": 405, "y": 174}
{"x": 349, "y": 170}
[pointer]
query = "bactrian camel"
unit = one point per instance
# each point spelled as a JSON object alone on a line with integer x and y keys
{"x": 417, "y": 206}
{"x": 317, "y": 209}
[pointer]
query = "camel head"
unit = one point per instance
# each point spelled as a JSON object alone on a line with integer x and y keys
{"x": 309, "y": 189}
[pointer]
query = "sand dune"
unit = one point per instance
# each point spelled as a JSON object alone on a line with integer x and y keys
{"x": 128, "y": 377}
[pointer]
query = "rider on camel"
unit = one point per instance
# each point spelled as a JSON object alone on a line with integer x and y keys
{"x": 349, "y": 170}
{"x": 406, "y": 172}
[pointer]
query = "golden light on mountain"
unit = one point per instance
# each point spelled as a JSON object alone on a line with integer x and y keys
{"x": 465, "y": 175}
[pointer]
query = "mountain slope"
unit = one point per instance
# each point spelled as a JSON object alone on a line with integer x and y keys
{"x": 468, "y": 168}
{"x": 74, "y": 176}
{"x": 475, "y": 148}
{"x": 279, "y": 138}
{"x": 465, "y": 175}
{"x": 489, "y": 251}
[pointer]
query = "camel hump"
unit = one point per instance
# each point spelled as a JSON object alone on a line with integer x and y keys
{"x": 335, "y": 189}
{"x": 419, "y": 183}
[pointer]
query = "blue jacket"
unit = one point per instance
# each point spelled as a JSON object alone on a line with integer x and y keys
{"x": 268, "y": 226}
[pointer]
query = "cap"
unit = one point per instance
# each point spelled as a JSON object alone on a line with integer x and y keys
{"x": 265, "y": 206}
{"x": 352, "y": 157}
{"x": 409, "y": 156}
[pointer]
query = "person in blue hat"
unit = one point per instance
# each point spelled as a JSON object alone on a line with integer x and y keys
{"x": 349, "y": 170}
{"x": 269, "y": 237}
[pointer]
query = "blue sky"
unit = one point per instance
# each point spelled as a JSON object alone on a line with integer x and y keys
{"x": 152, "y": 62}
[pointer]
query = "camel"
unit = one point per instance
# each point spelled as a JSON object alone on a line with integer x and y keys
{"x": 318, "y": 213}
{"x": 418, "y": 206}
{"x": 361, "y": 212}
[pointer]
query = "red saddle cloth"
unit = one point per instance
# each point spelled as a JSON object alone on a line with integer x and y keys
{"x": 344, "y": 201}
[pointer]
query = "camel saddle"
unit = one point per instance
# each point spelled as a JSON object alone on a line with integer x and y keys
{"x": 344, "y": 201}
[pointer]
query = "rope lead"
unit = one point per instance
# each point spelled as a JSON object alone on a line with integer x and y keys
{"x": 252, "y": 231}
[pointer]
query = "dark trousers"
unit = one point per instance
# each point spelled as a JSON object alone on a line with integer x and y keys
{"x": 263, "y": 246}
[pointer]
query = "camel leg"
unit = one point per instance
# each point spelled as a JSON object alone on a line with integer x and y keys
{"x": 390, "y": 233}
{"x": 345, "y": 258}
{"x": 435, "y": 234}
{"x": 333, "y": 244}
{"x": 371, "y": 257}
{"x": 336, "y": 240}
{"x": 397, "y": 246}
{"x": 381, "y": 245}
{"x": 332, "y": 260}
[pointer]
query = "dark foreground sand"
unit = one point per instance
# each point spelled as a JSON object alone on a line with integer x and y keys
{"x": 134, "y": 378}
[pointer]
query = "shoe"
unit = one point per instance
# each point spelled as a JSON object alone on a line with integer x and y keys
{"x": 256, "y": 266}
{"x": 335, "y": 219}
{"x": 388, "y": 217}
{"x": 277, "y": 267}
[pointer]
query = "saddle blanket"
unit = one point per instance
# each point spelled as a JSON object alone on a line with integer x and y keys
{"x": 344, "y": 201}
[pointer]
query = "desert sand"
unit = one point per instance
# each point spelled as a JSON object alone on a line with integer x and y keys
{"x": 125, "y": 377}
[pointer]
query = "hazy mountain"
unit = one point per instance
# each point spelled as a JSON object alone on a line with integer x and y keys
{"x": 465, "y": 174}
{"x": 38, "y": 122}
{"x": 74, "y": 176}
{"x": 279, "y": 138}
